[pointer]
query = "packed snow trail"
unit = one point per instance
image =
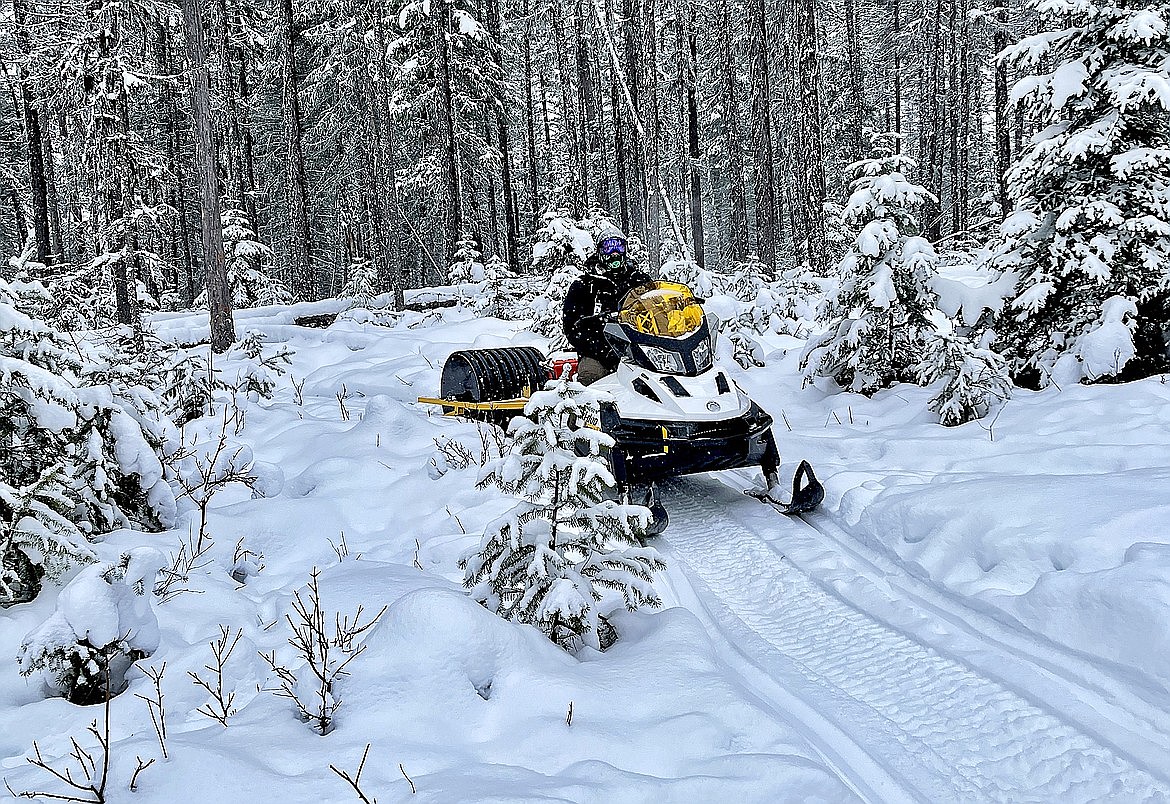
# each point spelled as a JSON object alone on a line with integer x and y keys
{"x": 922, "y": 725}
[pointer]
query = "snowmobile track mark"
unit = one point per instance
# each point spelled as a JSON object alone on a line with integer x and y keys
{"x": 940, "y": 728}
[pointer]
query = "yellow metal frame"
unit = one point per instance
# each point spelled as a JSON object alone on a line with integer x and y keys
{"x": 454, "y": 407}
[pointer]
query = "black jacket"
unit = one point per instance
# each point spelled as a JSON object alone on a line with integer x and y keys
{"x": 587, "y": 303}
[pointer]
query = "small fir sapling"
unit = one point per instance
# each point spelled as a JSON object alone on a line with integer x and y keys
{"x": 976, "y": 378}
{"x": 82, "y": 433}
{"x": 494, "y": 299}
{"x": 103, "y": 623}
{"x": 466, "y": 266}
{"x": 361, "y": 282}
{"x": 36, "y": 537}
{"x": 559, "y": 253}
{"x": 544, "y": 562}
{"x": 878, "y": 316}
{"x": 248, "y": 263}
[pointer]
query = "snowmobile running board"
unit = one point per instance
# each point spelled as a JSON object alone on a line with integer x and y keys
{"x": 452, "y": 407}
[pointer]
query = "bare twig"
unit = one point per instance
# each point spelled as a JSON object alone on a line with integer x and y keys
{"x": 173, "y": 579}
{"x": 355, "y": 781}
{"x": 298, "y": 391}
{"x": 342, "y": 395}
{"x": 407, "y": 778}
{"x": 569, "y": 716}
{"x": 141, "y": 767}
{"x": 221, "y": 705}
{"x": 158, "y": 715}
{"x": 319, "y": 648}
{"x": 341, "y": 549}
{"x": 92, "y": 781}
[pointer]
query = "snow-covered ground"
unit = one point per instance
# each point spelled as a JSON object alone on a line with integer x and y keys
{"x": 977, "y": 613}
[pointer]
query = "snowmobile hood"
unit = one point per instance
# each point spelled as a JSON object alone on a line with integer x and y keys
{"x": 642, "y": 394}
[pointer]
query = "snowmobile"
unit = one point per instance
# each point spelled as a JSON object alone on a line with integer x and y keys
{"x": 674, "y": 410}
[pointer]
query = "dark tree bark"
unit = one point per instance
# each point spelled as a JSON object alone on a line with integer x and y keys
{"x": 453, "y": 230}
{"x": 765, "y": 171}
{"x": 300, "y": 243}
{"x": 38, "y": 183}
{"x": 223, "y": 332}
{"x": 737, "y": 218}
{"x": 511, "y": 217}
{"x": 635, "y": 153}
{"x": 695, "y": 153}
{"x": 1003, "y": 141}
{"x": 812, "y": 168}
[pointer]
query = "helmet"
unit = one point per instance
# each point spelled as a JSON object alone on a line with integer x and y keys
{"x": 612, "y": 251}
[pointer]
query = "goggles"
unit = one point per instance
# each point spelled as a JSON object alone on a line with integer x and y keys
{"x": 612, "y": 247}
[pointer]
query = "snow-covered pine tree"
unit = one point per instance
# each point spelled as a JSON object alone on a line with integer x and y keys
{"x": 1092, "y": 193}
{"x": 466, "y": 265}
{"x": 878, "y": 314}
{"x": 494, "y": 299}
{"x": 361, "y": 284}
{"x": 976, "y": 377}
{"x": 248, "y": 263}
{"x": 559, "y": 253}
{"x": 543, "y": 561}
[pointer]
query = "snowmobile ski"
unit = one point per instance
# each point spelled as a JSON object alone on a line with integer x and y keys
{"x": 805, "y": 498}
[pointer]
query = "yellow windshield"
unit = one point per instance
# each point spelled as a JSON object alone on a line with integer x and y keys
{"x": 665, "y": 309}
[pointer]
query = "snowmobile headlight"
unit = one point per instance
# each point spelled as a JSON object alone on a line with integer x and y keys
{"x": 664, "y": 360}
{"x": 703, "y": 355}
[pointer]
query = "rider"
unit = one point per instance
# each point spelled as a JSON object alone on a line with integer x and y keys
{"x": 609, "y": 276}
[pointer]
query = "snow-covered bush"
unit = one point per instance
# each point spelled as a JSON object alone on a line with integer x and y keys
{"x": 494, "y": 298}
{"x": 1091, "y": 192}
{"x": 976, "y": 378}
{"x": 683, "y": 269}
{"x": 36, "y": 536}
{"x": 878, "y": 314}
{"x": 81, "y": 436}
{"x": 543, "y": 562}
{"x": 103, "y": 623}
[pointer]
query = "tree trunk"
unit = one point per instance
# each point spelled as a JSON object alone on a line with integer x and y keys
{"x": 695, "y": 153}
{"x": 812, "y": 174}
{"x": 223, "y": 333}
{"x": 38, "y": 185}
{"x": 1003, "y": 141}
{"x": 300, "y": 244}
{"x": 534, "y": 173}
{"x": 737, "y": 220}
{"x": 764, "y": 157}
{"x": 453, "y": 230}
{"x": 896, "y": 46}
{"x": 511, "y": 222}
{"x": 635, "y": 152}
{"x": 855, "y": 81}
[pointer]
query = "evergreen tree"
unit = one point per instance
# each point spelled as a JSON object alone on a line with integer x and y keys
{"x": 878, "y": 314}
{"x": 543, "y": 561}
{"x": 466, "y": 266}
{"x": 976, "y": 378}
{"x": 362, "y": 282}
{"x": 1091, "y": 191}
{"x": 248, "y": 263}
